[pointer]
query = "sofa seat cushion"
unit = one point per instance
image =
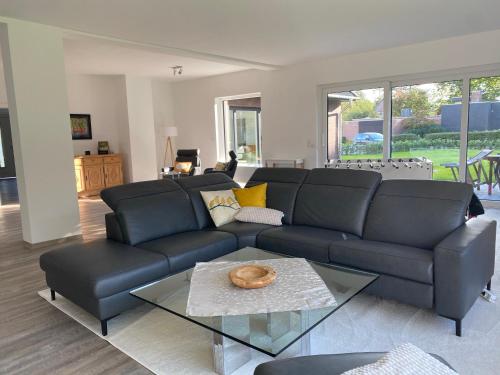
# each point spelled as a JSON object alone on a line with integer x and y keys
{"x": 301, "y": 241}
{"x": 102, "y": 268}
{"x": 183, "y": 250}
{"x": 246, "y": 233}
{"x": 390, "y": 259}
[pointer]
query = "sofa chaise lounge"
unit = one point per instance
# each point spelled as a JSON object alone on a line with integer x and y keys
{"x": 413, "y": 233}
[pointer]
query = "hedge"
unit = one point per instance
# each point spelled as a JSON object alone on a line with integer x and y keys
{"x": 421, "y": 143}
{"x": 487, "y": 135}
{"x": 405, "y": 137}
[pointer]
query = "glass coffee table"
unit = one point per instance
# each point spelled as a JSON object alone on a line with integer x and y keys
{"x": 236, "y": 337}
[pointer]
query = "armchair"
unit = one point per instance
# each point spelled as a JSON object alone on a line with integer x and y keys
{"x": 230, "y": 168}
{"x": 190, "y": 155}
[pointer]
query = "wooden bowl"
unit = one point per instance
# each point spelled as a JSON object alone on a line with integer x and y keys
{"x": 252, "y": 276}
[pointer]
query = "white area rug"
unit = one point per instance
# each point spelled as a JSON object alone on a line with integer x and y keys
{"x": 167, "y": 344}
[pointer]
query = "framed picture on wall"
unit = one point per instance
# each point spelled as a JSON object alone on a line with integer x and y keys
{"x": 80, "y": 126}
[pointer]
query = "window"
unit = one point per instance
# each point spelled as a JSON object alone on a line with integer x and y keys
{"x": 242, "y": 129}
{"x": 419, "y": 117}
{"x": 355, "y": 124}
{"x": 426, "y": 121}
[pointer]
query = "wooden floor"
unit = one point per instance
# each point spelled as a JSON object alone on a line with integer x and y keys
{"x": 35, "y": 337}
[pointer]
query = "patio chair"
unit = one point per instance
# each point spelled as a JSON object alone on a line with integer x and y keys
{"x": 476, "y": 163}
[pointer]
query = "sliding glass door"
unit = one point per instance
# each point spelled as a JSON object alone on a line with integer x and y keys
{"x": 426, "y": 121}
{"x": 455, "y": 123}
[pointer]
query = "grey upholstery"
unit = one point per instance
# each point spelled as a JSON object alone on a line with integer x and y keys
{"x": 282, "y": 187}
{"x": 102, "y": 268}
{"x": 246, "y": 233}
{"x": 112, "y": 196}
{"x": 149, "y": 217}
{"x": 416, "y": 213}
{"x": 113, "y": 229}
{"x": 463, "y": 263}
{"x": 336, "y": 199}
{"x": 403, "y": 290}
{"x": 389, "y": 259}
{"x": 88, "y": 272}
{"x": 300, "y": 241}
{"x": 210, "y": 182}
{"x": 183, "y": 250}
{"x": 327, "y": 364}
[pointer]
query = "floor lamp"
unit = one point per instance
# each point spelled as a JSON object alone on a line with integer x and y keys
{"x": 170, "y": 131}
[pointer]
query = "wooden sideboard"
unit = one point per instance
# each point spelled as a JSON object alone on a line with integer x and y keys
{"x": 96, "y": 172}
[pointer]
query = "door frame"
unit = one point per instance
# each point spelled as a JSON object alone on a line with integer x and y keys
{"x": 9, "y": 171}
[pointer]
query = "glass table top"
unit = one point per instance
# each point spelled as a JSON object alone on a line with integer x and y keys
{"x": 270, "y": 333}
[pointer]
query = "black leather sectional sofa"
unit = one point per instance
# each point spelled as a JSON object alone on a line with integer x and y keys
{"x": 411, "y": 232}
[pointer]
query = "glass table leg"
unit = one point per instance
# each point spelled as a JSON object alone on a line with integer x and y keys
{"x": 229, "y": 355}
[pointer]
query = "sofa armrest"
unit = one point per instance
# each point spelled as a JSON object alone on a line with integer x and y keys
{"x": 464, "y": 263}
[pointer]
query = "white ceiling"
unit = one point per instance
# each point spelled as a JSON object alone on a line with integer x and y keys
{"x": 276, "y": 32}
{"x": 96, "y": 56}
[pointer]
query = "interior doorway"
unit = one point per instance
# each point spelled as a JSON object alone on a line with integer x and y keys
{"x": 7, "y": 166}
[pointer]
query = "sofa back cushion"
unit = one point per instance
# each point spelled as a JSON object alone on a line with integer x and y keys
{"x": 150, "y": 210}
{"x": 282, "y": 187}
{"x": 418, "y": 213}
{"x": 208, "y": 182}
{"x": 336, "y": 199}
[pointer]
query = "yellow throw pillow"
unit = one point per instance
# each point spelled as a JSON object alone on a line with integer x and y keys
{"x": 254, "y": 196}
{"x": 183, "y": 166}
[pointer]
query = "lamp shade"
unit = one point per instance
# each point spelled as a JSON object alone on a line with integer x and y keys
{"x": 170, "y": 131}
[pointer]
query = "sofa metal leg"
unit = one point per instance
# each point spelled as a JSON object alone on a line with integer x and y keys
{"x": 488, "y": 286}
{"x": 52, "y": 295}
{"x": 458, "y": 327}
{"x": 104, "y": 327}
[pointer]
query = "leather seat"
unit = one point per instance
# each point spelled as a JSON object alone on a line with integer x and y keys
{"x": 327, "y": 364}
{"x": 381, "y": 257}
{"x": 301, "y": 241}
{"x": 183, "y": 250}
{"x": 245, "y": 232}
{"x": 102, "y": 268}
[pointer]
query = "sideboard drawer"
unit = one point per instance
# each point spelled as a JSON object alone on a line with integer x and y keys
{"x": 89, "y": 160}
{"x": 112, "y": 159}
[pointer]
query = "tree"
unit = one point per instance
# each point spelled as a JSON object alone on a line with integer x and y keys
{"x": 414, "y": 99}
{"x": 357, "y": 109}
{"x": 489, "y": 87}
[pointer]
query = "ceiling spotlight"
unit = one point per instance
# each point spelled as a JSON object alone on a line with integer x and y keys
{"x": 177, "y": 70}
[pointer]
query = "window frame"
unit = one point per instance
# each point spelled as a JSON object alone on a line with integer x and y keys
{"x": 388, "y": 83}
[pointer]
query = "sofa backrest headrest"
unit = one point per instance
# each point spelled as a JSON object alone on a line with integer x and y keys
{"x": 151, "y": 209}
{"x": 336, "y": 199}
{"x": 208, "y": 182}
{"x": 282, "y": 187}
{"x": 417, "y": 213}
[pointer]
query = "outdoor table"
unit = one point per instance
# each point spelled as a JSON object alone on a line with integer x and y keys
{"x": 494, "y": 169}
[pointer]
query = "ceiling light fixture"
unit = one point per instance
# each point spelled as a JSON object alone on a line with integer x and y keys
{"x": 177, "y": 70}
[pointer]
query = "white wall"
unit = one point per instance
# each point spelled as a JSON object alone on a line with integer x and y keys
{"x": 41, "y": 136}
{"x": 96, "y": 95}
{"x": 290, "y": 97}
{"x": 163, "y": 116}
{"x": 141, "y": 129}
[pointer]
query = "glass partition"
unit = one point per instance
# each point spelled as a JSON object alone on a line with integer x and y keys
{"x": 426, "y": 121}
{"x": 355, "y": 124}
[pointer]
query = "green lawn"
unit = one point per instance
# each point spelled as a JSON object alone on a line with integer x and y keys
{"x": 437, "y": 157}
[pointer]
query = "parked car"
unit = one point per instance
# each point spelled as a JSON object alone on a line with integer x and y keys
{"x": 368, "y": 138}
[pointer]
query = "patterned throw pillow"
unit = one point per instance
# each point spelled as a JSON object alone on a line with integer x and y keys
{"x": 405, "y": 359}
{"x": 259, "y": 215}
{"x": 183, "y": 166}
{"x": 222, "y": 205}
